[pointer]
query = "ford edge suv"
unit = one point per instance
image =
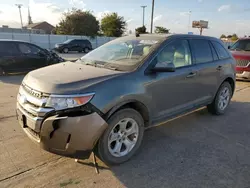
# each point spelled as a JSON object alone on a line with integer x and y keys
{"x": 104, "y": 101}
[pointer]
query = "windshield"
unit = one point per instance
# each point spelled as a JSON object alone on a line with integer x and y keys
{"x": 122, "y": 55}
{"x": 241, "y": 45}
{"x": 67, "y": 41}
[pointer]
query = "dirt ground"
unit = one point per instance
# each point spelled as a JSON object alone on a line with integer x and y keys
{"x": 197, "y": 150}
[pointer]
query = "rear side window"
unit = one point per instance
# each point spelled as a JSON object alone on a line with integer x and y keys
{"x": 202, "y": 51}
{"x": 8, "y": 48}
{"x": 221, "y": 51}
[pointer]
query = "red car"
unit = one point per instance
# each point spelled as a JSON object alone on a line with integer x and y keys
{"x": 241, "y": 52}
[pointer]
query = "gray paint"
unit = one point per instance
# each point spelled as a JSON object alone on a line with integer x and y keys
{"x": 164, "y": 94}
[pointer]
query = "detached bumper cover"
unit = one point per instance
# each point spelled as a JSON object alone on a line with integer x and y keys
{"x": 73, "y": 137}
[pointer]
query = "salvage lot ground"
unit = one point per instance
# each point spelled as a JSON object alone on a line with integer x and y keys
{"x": 197, "y": 150}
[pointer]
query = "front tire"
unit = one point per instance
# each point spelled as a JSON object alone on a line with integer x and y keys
{"x": 221, "y": 100}
{"x": 122, "y": 138}
{"x": 65, "y": 50}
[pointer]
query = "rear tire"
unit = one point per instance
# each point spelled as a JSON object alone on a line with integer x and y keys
{"x": 221, "y": 100}
{"x": 1, "y": 72}
{"x": 86, "y": 50}
{"x": 123, "y": 137}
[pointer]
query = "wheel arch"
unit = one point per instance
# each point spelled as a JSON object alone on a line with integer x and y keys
{"x": 134, "y": 104}
{"x": 231, "y": 81}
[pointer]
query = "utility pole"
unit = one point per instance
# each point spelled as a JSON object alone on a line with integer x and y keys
{"x": 152, "y": 16}
{"x": 19, "y": 7}
{"x": 189, "y": 15}
{"x": 143, "y": 14}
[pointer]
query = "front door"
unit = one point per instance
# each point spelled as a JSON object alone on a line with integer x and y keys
{"x": 173, "y": 92}
{"x": 32, "y": 58}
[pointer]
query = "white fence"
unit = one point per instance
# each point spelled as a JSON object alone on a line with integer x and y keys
{"x": 49, "y": 41}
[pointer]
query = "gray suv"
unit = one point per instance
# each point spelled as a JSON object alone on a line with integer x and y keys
{"x": 104, "y": 101}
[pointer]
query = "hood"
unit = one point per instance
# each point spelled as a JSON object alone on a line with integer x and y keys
{"x": 241, "y": 54}
{"x": 67, "y": 78}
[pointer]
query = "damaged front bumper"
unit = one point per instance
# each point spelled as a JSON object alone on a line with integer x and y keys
{"x": 68, "y": 134}
{"x": 73, "y": 137}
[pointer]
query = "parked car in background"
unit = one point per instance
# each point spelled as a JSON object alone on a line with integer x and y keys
{"x": 104, "y": 101}
{"x": 19, "y": 56}
{"x": 79, "y": 45}
{"x": 241, "y": 52}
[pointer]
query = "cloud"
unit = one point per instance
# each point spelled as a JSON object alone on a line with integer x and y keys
{"x": 185, "y": 13}
{"x": 157, "y": 18}
{"x": 40, "y": 11}
{"x": 77, "y": 3}
{"x": 100, "y": 15}
{"x": 224, "y": 8}
{"x": 200, "y": 1}
{"x": 129, "y": 20}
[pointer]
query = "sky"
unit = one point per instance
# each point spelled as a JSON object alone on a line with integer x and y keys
{"x": 224, "y": 16}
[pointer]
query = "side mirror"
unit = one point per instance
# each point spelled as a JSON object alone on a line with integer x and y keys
{"x": 229, "y": 47}
{"x": 168, "y": 67}
{"x": 41, "y": 53}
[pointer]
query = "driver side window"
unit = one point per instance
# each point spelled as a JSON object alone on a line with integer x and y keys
{"x": 176, "y": 53}
{"x": 28, "y": 49}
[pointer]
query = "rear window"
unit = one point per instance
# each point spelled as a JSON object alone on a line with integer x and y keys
{"x": 202, "y": 51}
{"x": 221, "y": 51}
{"x": 8, "y": 48}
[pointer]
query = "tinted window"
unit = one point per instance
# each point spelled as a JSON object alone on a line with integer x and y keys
{"x": 8, "y": 48}
{"x": 221, "y": 51}
{"x": 177, "y": 53}
{"x": 28, "y": 49}
{"x": 202, "y": 51}
{"x": 241, "y": 45}
{"x": 215, "y": 56}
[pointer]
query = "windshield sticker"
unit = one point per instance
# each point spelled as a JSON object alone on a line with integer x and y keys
{"x": 148, "y": 41}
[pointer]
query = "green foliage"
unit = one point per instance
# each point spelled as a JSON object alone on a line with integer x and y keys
{"x": 159, "y": 29}
{"x": 78, "y": 22}
{"x": 234, "y": 37}
{"x": 223, "y": 36}
{"x": 113, "y": 25}
{"x": 141, "y": 30}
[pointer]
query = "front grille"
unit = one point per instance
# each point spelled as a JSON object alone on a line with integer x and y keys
{"x": 242, "y": 62}
{"x": 33, "y": 92}
{"x": 239, "y": 72}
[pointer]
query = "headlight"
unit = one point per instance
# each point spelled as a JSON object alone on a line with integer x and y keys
{"x": 60, "y": 102}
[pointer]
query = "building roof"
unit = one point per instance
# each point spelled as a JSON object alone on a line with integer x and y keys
{"x": 36, "y": 24}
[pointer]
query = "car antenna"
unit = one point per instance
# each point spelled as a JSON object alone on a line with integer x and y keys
{"x": 94, "y": 162}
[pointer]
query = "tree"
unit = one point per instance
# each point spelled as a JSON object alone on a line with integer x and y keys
{"x": 234, "y": 37}
{"x": 113, "y": 25}
{"x": 78, "y": 22}
{"x": 229, "y": 36}
{"x": 159, "y": 29}
{"x": 223, "y": 36}
{"x": 141, "y": 30}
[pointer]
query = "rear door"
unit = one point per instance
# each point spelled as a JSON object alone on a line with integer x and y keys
{"x": 9, "y": 57}
{"x": 207, "y": 67}
{"x": 32, "y": 57}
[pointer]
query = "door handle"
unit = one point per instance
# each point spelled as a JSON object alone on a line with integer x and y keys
{"x": 191, "y": 75}
{"x": 219, "y": 68}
